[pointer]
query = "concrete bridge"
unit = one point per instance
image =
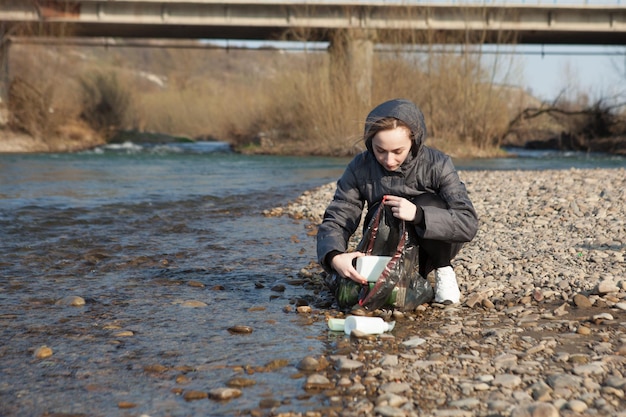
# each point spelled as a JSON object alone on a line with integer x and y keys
{"x": 543, "y": 22}
{"x": 351, "y": 26}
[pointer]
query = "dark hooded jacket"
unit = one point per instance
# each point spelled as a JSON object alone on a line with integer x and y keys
{"x": 426, "y": 170}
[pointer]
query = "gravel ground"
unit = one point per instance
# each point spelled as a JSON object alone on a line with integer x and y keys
{"x": 541, "y": 327}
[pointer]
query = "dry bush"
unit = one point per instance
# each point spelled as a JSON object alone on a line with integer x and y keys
{"x": 207, "y": 94}
{"x": 267, "y": 101}
{"x": 39, "y": 105}
{"x": 461, "y": 106}
{"x": 29, "y": 108}
{"x": 310, "y": 110}
{"x": 105, "y": 102}
{"x": 306, "y": 111}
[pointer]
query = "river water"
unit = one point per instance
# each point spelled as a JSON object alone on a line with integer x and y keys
{"x": 169, "y": 249}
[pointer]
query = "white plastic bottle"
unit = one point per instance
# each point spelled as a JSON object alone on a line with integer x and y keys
{"x": 367, "y": 325}
{"x": 336, "y": 325}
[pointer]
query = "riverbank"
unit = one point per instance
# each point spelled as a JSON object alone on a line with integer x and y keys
{"x": 74, "y": 138}
{"x": 541, "y": 327}
{"x": 79, "y": 138}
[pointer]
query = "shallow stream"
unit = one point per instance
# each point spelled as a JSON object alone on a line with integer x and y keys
{"x": 169, "y": 249}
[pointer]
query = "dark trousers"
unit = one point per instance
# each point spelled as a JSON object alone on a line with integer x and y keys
{"x": 434, "y": 253}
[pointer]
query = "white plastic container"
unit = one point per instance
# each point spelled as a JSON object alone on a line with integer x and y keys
{"x": 367, "y": 325}
{"x": 371, "y": 266}
{"x": 336, "y": 325}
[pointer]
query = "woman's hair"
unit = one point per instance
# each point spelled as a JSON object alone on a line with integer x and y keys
{"x": 386, "y": 123}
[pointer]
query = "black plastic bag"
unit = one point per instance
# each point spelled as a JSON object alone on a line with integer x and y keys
{"x": 400, "y": 285}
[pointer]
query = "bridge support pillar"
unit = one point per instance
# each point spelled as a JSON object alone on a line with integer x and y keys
{"x": 351, "y": 57}
{"x": 5, "y": 44}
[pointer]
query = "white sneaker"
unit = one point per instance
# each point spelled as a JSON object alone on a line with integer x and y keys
{"x": 446, "y": 287}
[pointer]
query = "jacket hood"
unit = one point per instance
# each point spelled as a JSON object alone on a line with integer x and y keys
{"x": 403, "y": 110}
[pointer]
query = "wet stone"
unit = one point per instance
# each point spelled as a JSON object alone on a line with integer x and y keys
{"x": 240, "y": 329}
{"x": 274, "y": 365}
{"x": 279, "y": 288}
{"x": 182, "y": 379}
{"x": 193, "y": 304}
{"x": 317, "y": 382}
{"x": 269, "y": 403}
{"x": 195, "y": 395}
{"x": 155, "y": 368}
{"x": 304, "y": 309}
{"x": 308, "y": 363}
{"x": 357, "y": 334}
{"x": 224, "y": 394}
{"x": 42, "y": 352}
{"x": 239, "y": 382}
{"x": 71, "y": 300}
{"x": 345, "y": 364}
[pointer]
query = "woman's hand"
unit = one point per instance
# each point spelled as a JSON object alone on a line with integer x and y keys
{"x": 342, "y": 263}
{"x": 401, "y": 208}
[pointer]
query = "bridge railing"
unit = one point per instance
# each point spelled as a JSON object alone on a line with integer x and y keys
{"x": 581, "y": 3}
{"x": 511, "y": 2}
{"x": 500, "y": 2}
{"x": 482, "y": 2}
{"x": 411, "y": 2}
{"x": 477, "y": 2}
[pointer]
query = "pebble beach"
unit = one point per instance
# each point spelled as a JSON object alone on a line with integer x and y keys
{"x": 541, "y": 326}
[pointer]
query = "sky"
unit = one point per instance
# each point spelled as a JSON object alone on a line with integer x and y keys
{"x": 600, "y": 71}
